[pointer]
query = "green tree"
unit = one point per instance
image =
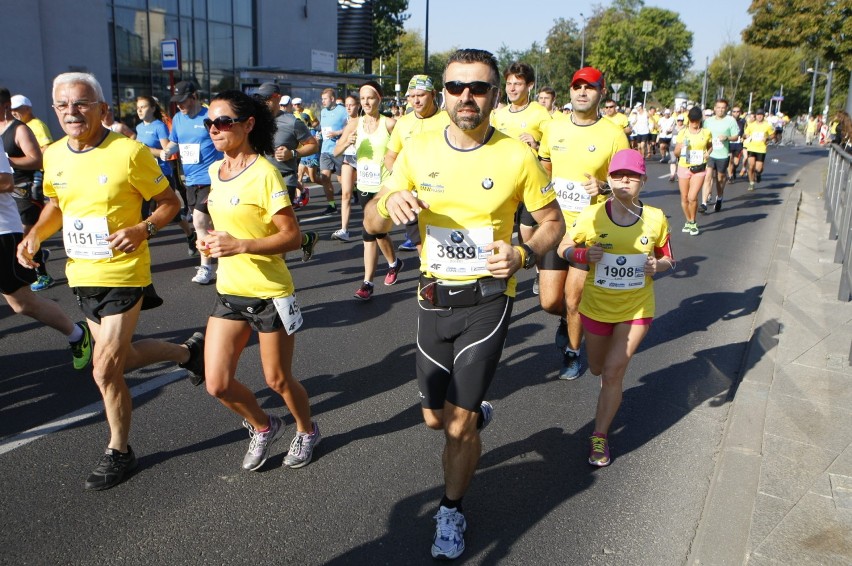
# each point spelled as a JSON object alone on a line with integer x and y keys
{"x": 823, "y": 26}
{"x": 562, "y": 47}
{"x": 740, "y": 71}
{"x": 822, "y": 29}
{"x": 632, "y": 43}
{"x": 388, "y": 26}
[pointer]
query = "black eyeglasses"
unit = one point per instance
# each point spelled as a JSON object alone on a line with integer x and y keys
{"x": 223, "y": 123}
{"x": 477, "y": 88}
{"x": 609, "y": 106}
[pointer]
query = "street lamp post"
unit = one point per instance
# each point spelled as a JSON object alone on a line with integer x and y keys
{"x": 813, "y": 87}
{"x": 583, "y": 44}
{"x": 829, "y": 77}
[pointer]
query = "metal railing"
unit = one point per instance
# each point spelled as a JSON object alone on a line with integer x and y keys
{"x": 838, "y": 204}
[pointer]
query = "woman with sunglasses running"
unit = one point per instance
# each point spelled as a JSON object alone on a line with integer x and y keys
{"x": 255, "y": 227}
{"x": 369, "y": 133}
{"x": 618, "y": 301}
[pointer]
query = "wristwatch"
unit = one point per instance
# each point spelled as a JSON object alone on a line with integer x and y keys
{"x": 529, "y": 260}
{"x": 151, "y": 228}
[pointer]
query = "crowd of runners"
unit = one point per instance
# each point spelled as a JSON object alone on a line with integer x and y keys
{"x": 483, "y": 188}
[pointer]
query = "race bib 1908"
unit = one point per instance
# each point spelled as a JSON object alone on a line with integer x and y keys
{"x": 621, "y": 271}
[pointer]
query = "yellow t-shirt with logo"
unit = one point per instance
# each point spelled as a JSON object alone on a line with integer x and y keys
{"x": 700, "y": 143}
{"x": 757, "y": 134}
{"x": 244, "y": 207}
{"x": 594, "y": 225}
{"x": 409, "y": 125}
{"x": 532, "y": 120}
{"x": 574, "y": 151}
{"x": 654, "y": 121}
{"x": 108, "y": 182}
{"x": 469, "y": 191}
{"x": 40, "y": 131}
{"x": 618, "y": 119}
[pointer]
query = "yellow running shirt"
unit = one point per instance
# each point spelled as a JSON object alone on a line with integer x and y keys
{"x": 616, "y": 288}
{"x": 244, "y": 207}
{"x": 575, "y": 150}
{"x": 40, "y": 131}
{"x": 700, "y": 144}
{"x": 409, "y": 125}
{"x": 100, "y": 191}
{"x": 472, "y": 196}
{"x": 532, "y": 120}
{"x": 756, "y": 136}
{"x": 618, "y": 119}
{"x": 370, "y": 155}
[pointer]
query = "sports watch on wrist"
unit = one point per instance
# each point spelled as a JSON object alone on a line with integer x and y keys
{"x": 529, "y": 260}
{"x": 151, "y": 229}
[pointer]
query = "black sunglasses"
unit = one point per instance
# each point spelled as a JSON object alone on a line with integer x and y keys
{"x": 609, "y": 106}
{"x": 477, "y": 88}
{"x": 223, "y": 123}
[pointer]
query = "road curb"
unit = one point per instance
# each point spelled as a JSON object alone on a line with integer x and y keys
{"x": 722, "y": 535}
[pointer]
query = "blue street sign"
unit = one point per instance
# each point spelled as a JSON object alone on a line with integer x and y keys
{"x": 169, "y": 54}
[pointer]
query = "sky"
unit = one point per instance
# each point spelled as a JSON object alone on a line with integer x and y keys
{"x": 519, "y": 24}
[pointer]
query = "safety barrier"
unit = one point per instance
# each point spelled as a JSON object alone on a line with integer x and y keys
{"x": 838, "y": 204}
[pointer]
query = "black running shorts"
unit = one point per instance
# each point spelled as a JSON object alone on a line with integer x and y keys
{"x": 261, "y": 314}
{"x": 98, "y": 302}
{"x": 13, "y": 275}
{"x": 458, "y": 350}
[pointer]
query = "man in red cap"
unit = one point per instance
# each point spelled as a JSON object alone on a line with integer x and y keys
{"x": 576, "y": 152}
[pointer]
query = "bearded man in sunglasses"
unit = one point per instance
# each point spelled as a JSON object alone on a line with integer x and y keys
{"x": 90, "y": 172}
{"x": 190, "y": 138}
{"x": 464, "y": 183}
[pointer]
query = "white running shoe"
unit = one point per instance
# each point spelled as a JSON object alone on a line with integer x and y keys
{"x": 204, "y": 275}
{"x": 342, "y": 235}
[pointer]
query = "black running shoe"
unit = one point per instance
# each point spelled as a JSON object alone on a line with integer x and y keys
{"x": 329, "y": 210}
{"x": 702, "y": 208}
{"x": 310, "y": 242}
{"x": 718, "y": 206}
{"x": 191, "y": 249}
{"x": 195, "y": 365}
{"x": 112, "y": 469}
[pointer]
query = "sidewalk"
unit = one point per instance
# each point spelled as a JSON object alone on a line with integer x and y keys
{"x": 782, "y": 489}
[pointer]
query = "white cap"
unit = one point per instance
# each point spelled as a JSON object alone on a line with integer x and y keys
{"x": 297, "y": 100}
{"x": 708, "y": 112}
{"x": 20, "y": 100}
{"x": 667, "y": 111}
{"x": 285, "y": 100}
{"x": 567, "y": 107}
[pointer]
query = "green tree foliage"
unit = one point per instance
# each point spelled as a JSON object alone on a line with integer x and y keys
{"x": 632, "y": 43}
{"x": 388, "y": 20}
{"x": 740, "y": 70}
{"x": 564, "y": 43}
{"x": 823, "y": 26}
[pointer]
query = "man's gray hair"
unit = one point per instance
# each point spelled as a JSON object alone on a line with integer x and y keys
{"x": 76, "y": 78}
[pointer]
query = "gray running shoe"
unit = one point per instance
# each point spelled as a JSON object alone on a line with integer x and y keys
{"x": 258, "y": 450}
{"x": 448, "y": 542}
{"x": 487, "y": 410}
{"x": 302, "y": 448}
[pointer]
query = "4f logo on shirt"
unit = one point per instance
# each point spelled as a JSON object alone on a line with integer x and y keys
{"x": 433, "y": 175}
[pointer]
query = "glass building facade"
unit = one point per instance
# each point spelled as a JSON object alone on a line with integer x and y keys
{"x": 215, "y": 38}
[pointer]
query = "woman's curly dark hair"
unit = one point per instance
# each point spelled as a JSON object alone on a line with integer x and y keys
{"x": 261, "y": 136}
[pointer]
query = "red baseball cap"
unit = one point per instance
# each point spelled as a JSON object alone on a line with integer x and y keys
{"x": 590, "y": 75}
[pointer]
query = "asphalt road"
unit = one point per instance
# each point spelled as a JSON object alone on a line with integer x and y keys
{"x": 370, "y": 493}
